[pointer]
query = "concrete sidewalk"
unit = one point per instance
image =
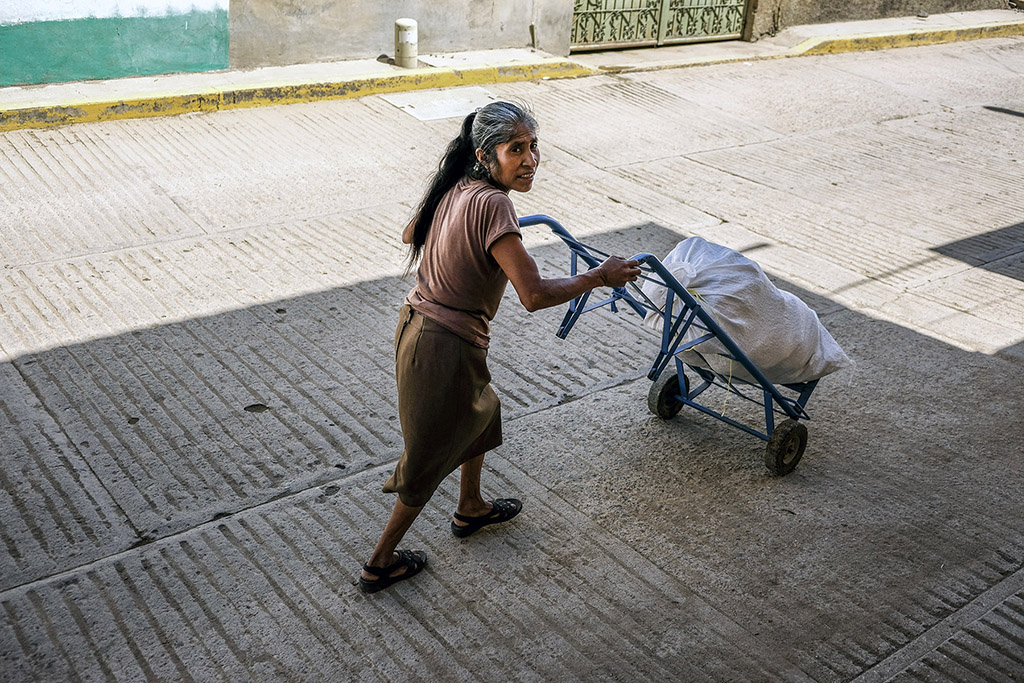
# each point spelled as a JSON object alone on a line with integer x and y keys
{"x": 197, "y": 402}
{"x": 60, "y": 104}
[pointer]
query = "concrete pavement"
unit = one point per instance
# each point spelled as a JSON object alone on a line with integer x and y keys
{"x": 197, "y": 403}
{"x": 60, "y": 104}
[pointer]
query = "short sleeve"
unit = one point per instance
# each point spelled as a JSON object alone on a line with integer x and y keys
{"x": 500, "y": 218}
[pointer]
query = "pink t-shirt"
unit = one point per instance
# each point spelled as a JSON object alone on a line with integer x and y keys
{"x": 459, "y": 285}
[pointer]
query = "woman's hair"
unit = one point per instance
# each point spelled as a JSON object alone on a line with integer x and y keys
{"x": 484, "y": 129}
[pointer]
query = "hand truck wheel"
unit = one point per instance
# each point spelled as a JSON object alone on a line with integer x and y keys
{"x": 663, "y": 398}
{"x": 785, "y": 447}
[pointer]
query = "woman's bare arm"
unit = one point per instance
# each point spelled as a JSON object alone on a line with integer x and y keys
{"x": 536, "y": 292}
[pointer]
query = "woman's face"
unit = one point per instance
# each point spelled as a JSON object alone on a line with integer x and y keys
{"x": 515, "y": 162}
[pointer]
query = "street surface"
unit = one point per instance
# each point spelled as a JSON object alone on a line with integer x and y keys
{"x": 197, "y": 403}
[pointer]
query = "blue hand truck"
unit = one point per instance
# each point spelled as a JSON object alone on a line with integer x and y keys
{"x": 671, "y": 388}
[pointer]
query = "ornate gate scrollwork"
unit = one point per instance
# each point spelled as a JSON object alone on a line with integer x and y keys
{"x": 619, "y": 23}
{"x": 600, "y": 22}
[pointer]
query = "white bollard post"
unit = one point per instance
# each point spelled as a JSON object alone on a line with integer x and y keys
{"x": 406, "y": 43}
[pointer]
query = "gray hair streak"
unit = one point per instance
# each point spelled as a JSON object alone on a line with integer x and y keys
{"x": 499, "y": 122}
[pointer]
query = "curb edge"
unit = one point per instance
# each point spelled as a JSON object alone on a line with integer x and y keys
{"x": 882, "y": 41}
{"x": 244, "y": 97}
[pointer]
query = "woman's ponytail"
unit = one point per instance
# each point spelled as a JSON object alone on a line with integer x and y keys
{"x": 457, "y": 161}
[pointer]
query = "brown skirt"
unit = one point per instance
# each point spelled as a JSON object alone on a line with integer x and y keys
{"x": 448, "y": 410}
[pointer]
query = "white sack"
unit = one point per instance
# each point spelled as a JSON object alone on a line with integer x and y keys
{"x": 776, "y": 330}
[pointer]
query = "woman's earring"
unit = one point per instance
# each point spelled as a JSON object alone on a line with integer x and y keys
{"x": 480, "y": 170}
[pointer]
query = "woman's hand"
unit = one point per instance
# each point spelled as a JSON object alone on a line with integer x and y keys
{"x": 616, "y": 271}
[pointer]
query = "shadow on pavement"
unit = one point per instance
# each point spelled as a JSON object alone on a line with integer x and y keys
{"x": 1003, "y": 110}
{"x": 991, "y": 251}
{"x": 219, "y": 479}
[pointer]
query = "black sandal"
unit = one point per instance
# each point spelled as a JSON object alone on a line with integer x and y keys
{"x": 412, "y": 560}
{"x": 504, "y": 510}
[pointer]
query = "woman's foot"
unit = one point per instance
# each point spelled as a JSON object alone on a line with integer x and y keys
{"x": 407, "y": 564}
{"x": 500, "y": 510}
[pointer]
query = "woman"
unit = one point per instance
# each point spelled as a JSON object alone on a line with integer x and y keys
{"x": 466, "y": 231}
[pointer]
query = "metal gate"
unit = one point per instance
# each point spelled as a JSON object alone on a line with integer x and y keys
{"x": 598, "y": 24}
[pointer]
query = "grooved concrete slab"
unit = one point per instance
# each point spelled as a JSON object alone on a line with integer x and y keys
{"x": 197, "y": 401}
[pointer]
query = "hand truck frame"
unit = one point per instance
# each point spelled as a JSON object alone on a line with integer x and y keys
{"x": 670, "y": 391}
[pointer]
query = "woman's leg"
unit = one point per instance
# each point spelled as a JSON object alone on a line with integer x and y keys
{"x": 471, "y": 502}
{"x": 473, "y": 512}
{"x": 402, "y": 517}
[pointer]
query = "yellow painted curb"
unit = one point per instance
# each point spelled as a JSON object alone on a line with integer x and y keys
{"x": 883, "y": 41}
{"x": 169, "y": 105}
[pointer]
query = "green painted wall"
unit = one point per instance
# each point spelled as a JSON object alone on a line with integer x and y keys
{"x": 87, "y": 49}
